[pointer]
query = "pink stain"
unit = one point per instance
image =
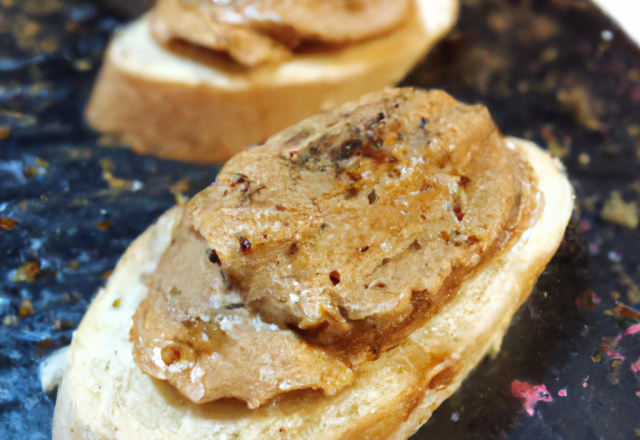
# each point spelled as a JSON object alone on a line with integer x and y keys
{"x": 562, "y": 393}
{"x": 614, "y": 355}
{"x": 530, "y": 394}
{"x": 585, "y": 225}
{"x": 630, "y": 331}
{"x": 635, "y": 367}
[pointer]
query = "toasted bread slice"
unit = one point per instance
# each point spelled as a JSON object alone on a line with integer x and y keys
{"x": 191, "y": 104}
{"x": 104, "y": 395}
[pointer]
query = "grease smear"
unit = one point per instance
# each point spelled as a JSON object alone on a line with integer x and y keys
{"x": 614, "y": 355}
{"x": 630, "y": 331}
{"x": 530, "y": 394}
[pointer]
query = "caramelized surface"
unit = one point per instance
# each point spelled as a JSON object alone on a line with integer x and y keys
{"x": 254, "y": 32}
{"x": 193, "y": 331}
{"x": 340, "y": 235}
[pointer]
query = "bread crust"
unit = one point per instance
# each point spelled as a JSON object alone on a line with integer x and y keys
{"x": 204, "y": 108}
{"x": 104, "y": 395}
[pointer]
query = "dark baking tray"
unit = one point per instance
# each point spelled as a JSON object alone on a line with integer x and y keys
{"x": 557, "y": 72}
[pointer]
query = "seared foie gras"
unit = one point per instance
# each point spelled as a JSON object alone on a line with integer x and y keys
{"x": 330, "y": 243}
{"x": 254, "y": 32}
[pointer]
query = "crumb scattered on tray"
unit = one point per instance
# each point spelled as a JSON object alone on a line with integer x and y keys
{"x": 616, "y": 210}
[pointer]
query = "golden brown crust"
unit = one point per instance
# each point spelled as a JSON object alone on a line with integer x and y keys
{"x": 203, "y": 108}
{"x": 143, "y": 113}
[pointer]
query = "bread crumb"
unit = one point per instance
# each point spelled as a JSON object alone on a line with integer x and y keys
{"x": 26, "y": 309}
{"x": 27, "y": 272}
{"x": 10, "y": 320}
{"x": 616, "y": 210}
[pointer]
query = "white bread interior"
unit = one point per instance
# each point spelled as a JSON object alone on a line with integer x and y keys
{"x": 105, "y": 396}
{"x": 207, "y": 109}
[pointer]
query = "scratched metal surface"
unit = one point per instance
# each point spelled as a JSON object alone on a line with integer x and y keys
{"x": 557, "y": 72}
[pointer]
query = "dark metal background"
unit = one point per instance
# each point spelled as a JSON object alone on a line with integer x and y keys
{"x": 546, "y": 71}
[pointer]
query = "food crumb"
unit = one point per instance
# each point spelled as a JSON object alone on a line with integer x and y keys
{"x": 5, "y": 132}
{"x": 584, "y": 159}
{"x": 624, "y": 311}
{"x": 41, "y": 162}
{"x": 598, "y": 355}
{"x": 633, "y": 292}
{"x": 616, "y": 210}
{"x": 107, "y": 164}
{"x": 104, "y": 225}
{"x": 562, "y": 392}
{"x": 7, "y": 224}
{"x": 614, "y": 375}
{"x": 556, "y": 148}
{"x": 27, "y": 272}
{"x": 588, "y": 300}
{"x": 83, "y": 65}
{"x": 32, "y": 171}
{"x": 585, "y": 109}
{"x": 10, "y": 320}
{"x": 26, "y": 308}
